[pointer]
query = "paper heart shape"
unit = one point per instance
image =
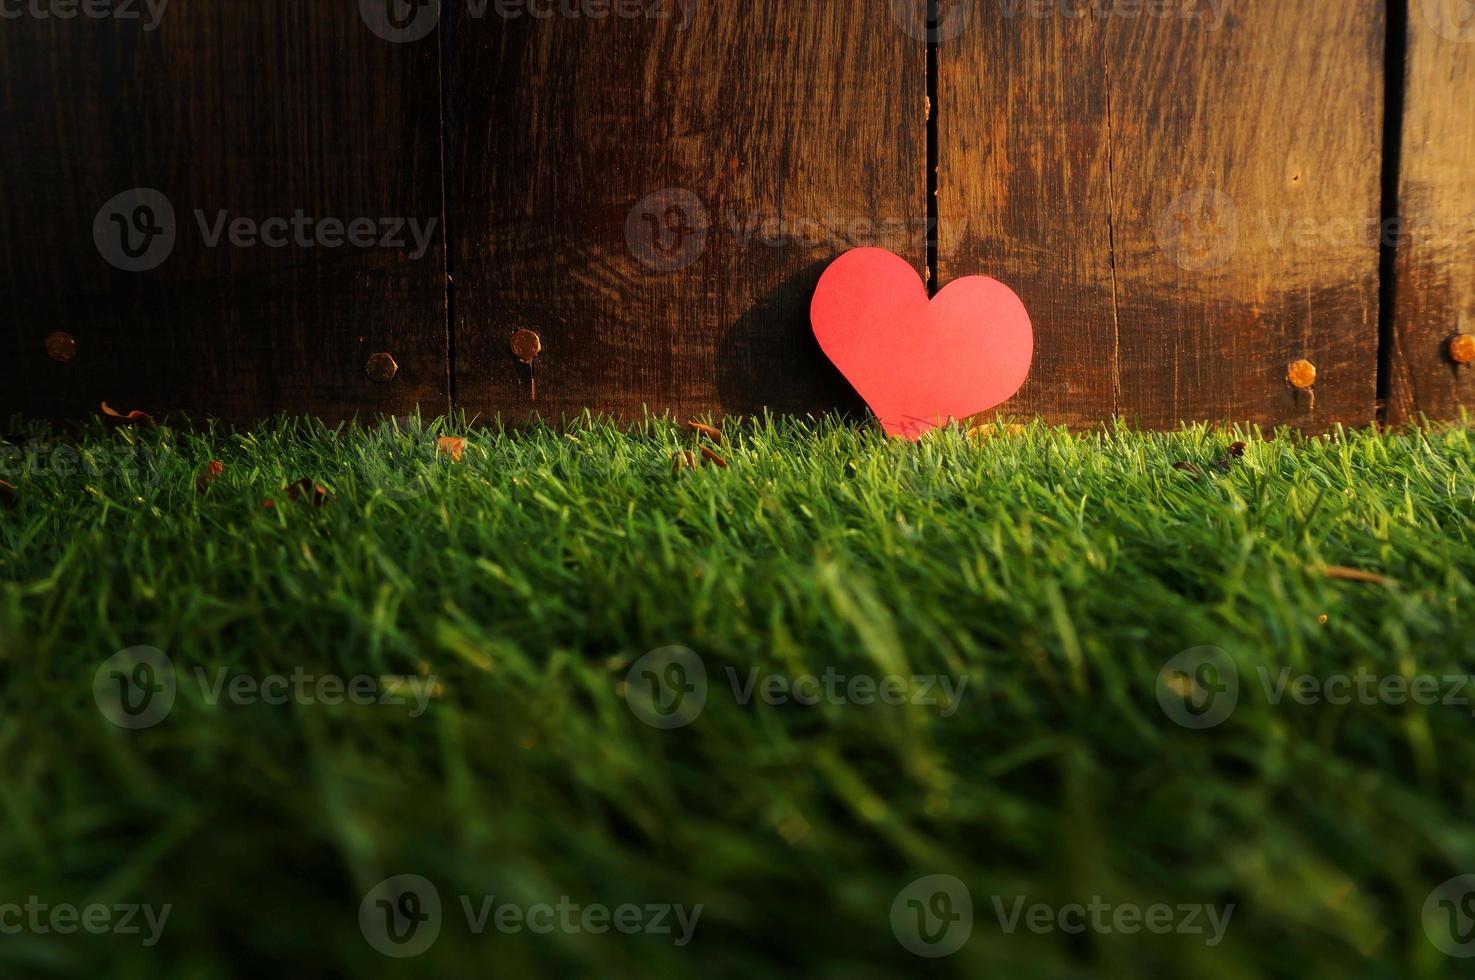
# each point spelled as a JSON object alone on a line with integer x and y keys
{"x": 919, "y": 362}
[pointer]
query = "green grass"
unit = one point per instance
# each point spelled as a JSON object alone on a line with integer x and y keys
{"x": 1052, "y": 574}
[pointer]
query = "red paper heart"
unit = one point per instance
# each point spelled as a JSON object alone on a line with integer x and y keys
{"x": 920, "y": 362}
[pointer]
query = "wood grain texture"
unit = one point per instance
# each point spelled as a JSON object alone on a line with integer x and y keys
{"x": 1024, "y": 158}
{"x": 259, "y": 109}
{"x": 657, "y": 199}
{"x": 1188, "y": 202}
{"x": 1435, "y": 293}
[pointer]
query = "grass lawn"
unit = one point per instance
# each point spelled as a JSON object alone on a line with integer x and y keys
{"x": 1045, "y": 579}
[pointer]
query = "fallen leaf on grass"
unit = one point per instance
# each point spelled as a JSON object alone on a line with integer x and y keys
{"x": 1342, "y": 574}
{"x": 683, "y": 460}
{"x": 209, "y": 476}
{"x": 711, "y": 433}
{"x": 1235, "y": 451}
{"x": 305, "y": 489}
{"x": 713, "y": 458}
{"x": 451, "y": 446}
{"x": 132, "y": 418}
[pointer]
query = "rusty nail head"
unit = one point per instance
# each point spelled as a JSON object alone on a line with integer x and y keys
{"x": 1302, "y": 374}
{"x": 526, "y": 345}
{"x": 1462, "y": 348}
{"x": 61, "y": 346}
{"x": 381, "y": 368}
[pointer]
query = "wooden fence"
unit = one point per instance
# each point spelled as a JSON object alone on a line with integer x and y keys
{"x": 232, "y": 209}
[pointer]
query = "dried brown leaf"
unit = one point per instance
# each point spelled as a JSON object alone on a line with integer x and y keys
{"x": 709, "y": 431}
{"x": 306, "y": 489}
{"x": 451, "y": 446}
{"x": 209, "y": 475}
{"x": 1342, "y": 574}
{"x": 132, "y": 418}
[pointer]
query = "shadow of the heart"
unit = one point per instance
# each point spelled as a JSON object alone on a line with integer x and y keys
{"x": 770, "y": 360}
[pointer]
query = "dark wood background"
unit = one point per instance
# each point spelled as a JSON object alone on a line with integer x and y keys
{"x": 1187, "y": 195}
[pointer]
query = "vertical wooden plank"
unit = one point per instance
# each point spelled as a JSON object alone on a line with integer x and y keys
{"x": 1246, "y": 210}
{"x": 1022, "y": 191}
{"x": 254, "y": 111}
{"x": 656, "y": 192}
{"x": 1435, "y": 286}
{"x": 1234, "y": 150}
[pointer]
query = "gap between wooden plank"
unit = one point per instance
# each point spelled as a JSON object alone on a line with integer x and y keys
{"x": 448, "y": 285}
{"x": 1116, "y": 317}
{"x": 934, "y": 154}
{"x": 1395, "y": 88}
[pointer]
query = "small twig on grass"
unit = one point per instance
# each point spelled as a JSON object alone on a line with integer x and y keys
{"x": 1342, "y": 574}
